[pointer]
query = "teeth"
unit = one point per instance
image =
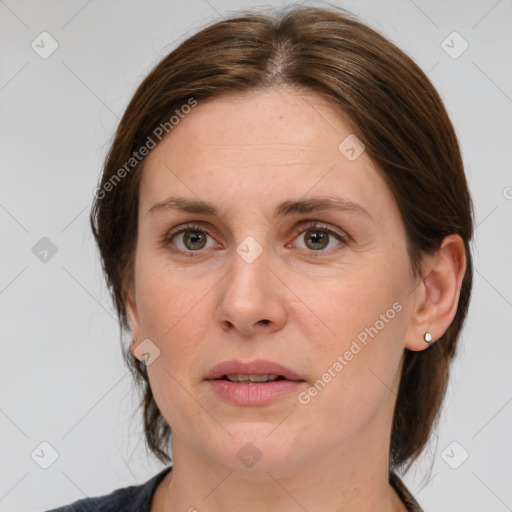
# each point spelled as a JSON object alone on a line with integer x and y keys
{"x": 238, "y": 377}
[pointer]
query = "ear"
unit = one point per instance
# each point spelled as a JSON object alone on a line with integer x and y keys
{"x": 437, "y": 296}
{"x": 133, "y": 317}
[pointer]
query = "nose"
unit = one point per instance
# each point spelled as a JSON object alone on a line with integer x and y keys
{"x": 252, "y": 298}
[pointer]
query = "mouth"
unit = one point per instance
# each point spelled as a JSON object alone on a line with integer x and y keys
{"x": 252, "y": 379}
{"x": 258, "y": 370}
{"x": 254, "y": 383}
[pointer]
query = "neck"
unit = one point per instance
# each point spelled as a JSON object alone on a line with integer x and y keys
{"x": 340, "y": 481}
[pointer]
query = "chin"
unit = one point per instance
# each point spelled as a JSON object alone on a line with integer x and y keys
{"x": 255, "y": 448}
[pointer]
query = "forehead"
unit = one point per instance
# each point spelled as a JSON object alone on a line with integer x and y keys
{"x": 260, "y": 146}
{"x": 260, "y": 122}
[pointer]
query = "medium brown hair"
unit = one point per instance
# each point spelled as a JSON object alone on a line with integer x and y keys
{"x": 394, "y": 110}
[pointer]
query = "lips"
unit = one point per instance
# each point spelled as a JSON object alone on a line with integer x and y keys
{"x": 240, "y": 371}
{"x": 256, "y": 383}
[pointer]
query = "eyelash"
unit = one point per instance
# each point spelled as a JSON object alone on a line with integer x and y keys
{"x": 307, "y": 226}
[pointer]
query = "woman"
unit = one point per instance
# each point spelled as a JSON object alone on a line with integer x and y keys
{"x": 284, "y": 223}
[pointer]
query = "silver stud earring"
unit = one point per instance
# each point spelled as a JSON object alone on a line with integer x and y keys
{"x": 428, "y": 338}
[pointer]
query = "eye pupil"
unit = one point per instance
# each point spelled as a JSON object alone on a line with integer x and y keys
{"x": 320, "y": 239}
{"x": 195, "y": 237}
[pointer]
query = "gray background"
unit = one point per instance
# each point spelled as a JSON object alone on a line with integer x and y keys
{"x": 62, "y": 378}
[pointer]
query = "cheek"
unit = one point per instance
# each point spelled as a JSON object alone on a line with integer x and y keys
{"x": 165, "y": 298}
{"x": 356, "y": 360}
{"x": 171, "y": 309}
{"x": 348, "y": 305}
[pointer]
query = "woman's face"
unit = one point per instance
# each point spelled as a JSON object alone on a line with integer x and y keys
{"x": 327, "y": 293}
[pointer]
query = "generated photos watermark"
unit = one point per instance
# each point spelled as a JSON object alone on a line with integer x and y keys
{"x": 305, "y": 397}
{"x": 152, "y": 140}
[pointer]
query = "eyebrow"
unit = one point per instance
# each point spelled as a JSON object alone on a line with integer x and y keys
{"x": 317, "y": 204}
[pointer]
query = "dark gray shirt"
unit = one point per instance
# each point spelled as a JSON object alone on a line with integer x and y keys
{"x": 137, "y": 498}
